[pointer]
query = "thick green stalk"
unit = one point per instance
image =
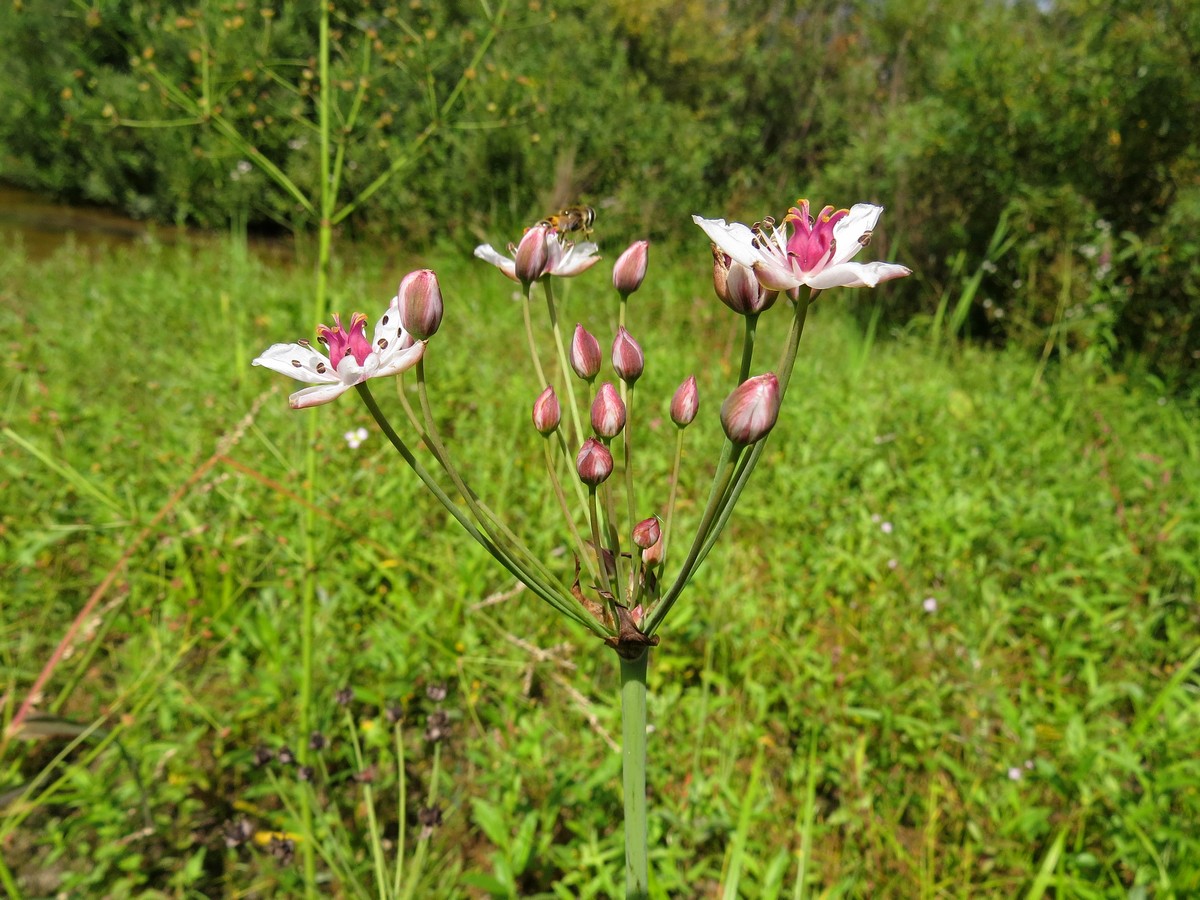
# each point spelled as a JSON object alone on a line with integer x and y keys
{"x": 633, "y": 769}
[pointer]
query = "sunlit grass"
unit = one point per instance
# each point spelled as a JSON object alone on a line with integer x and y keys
{"x": 975, "y": 599}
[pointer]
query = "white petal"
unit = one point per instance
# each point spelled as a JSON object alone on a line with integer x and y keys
{"x": 856, "y": 275}
{"x": 299, "y": 362}
{"x": 737, "y": 241}
{"x": 849, "y": 231}
{"x": 775, "y": 275}
{"x": 390, "y": 336}
{"x": 315, "y": 396}
{"x": 400, "y": 360}
{"x": 571, "y": 259}
{"x": 505, "y": 264}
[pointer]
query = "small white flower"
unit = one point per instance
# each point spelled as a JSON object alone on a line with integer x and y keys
{"x": 930, "y": 604}
{"x": 1015, "y": 773}
{"x": 355, "y": 438}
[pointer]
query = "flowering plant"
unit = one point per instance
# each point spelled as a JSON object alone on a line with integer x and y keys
{"x": 625, "y": 597}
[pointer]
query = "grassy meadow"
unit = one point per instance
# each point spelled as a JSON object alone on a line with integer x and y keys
{"x": 947, "y": 647}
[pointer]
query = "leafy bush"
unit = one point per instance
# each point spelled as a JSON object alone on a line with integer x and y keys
{"x": 651, "y": 111}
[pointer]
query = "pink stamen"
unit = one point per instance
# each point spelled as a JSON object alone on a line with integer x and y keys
{"x": 811, "y": 243}
{"x": 343, "y": 343}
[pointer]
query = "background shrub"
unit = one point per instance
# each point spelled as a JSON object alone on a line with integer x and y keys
{"x": 1067, "y": 127}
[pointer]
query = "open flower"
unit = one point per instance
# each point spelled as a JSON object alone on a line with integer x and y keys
{"x": 561, "y": 259}
{"x": 352, "y": 360}
{"x": 815, "y": 252}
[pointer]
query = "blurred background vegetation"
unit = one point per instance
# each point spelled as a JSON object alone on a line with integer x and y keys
{"x": 1039, "y": 161}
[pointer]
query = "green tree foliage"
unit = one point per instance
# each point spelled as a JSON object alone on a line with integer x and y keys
{"x": 1067, "y": 125}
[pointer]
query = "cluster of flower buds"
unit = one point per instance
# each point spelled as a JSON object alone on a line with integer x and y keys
{"x": 752, "y": 267}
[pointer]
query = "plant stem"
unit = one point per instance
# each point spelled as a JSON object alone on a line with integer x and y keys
{"x": 530, "y": 579}
{"x": 533, "y": 351}
{"x": 627, "y": 438}
{"x": 487, "y": 520}
{"x": 748, "y": 346}
{"x": 556, "y": 483}
{"x": 674, "y": 493}
{"x": 597, "y": 543}
{"x": 565, "y": 369}
{"x": 633, "y": 768}
{"x": 308, "y": 594}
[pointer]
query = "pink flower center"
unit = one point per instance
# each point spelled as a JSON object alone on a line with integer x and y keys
{"x": 343, "y": 343}
{"x": 812, "y": 241}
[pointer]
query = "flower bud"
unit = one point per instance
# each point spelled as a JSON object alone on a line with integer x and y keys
{"x": 585, "y": 354}
{"x": 751, "y": 410}
{"x": 608, "y": 412}
{"x": 647, "y": 533}
{"x": 737, "y": 286}
{"x": 685, "y": 403}
{"x": 593, "y": 463}
{"x": 653, "y": 555}
{"x": 533, "y": 254}
{"x": 627, "y": 357}
{"x": 630, "y": 268}
{"x": 420, "y": 301}
{"x": 546, "y": 412}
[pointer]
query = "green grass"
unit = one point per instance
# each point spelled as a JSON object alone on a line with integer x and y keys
{"x": 1033, "y": 735}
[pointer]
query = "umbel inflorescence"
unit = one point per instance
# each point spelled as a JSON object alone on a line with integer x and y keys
{"x": 623, "y": 541}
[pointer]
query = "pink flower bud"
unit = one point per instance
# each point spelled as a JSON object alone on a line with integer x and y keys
{"x": 738, "y": 286}
{"x": 630, "y": 268}
{"x": 585, "y": 354}
{"x": 533, "y": 254}
{"x": 420, "y": 300}
{"x": 593, "y": 463}
{"x": 627, "y": 357}
{"x": 608, "y": 412}
{"x": 647, "y": 533}
{"x": 653, "y": 555}
{"x": 685, "y": 403}
{"x": 546, "y": 412}
{"x": 751, "y": 410}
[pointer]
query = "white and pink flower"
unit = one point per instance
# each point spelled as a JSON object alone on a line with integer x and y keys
{"x": 805, "y": 250}
{"x": 352, "y": 359}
